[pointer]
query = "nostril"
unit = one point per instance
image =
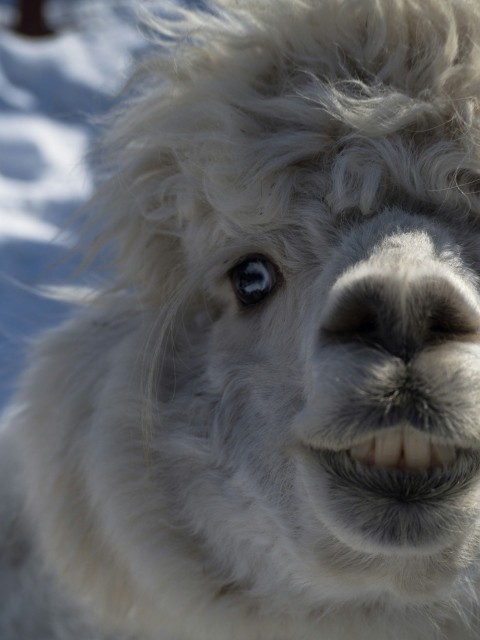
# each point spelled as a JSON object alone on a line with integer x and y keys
{"x": 443, "y": 322}
{"x": 449, "y": 312}
{"x": 353, "y": 314}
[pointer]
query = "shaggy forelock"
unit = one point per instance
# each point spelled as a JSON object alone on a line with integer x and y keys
{"x": 350, "y": 104}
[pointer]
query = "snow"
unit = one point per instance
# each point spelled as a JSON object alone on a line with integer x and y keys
{"x": 51, "y": 92}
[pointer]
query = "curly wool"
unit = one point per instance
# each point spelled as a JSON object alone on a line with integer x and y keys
{"x": 352, "y": 104}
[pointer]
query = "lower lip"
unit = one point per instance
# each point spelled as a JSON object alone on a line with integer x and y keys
{"x": 402, "y": 484}
{"x": 398, "y": 511}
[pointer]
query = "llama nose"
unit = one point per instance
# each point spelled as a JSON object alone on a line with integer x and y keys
{"x": 401, "y": 313}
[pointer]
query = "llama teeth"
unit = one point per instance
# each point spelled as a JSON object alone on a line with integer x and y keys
{"x": 417, "y": 450}
{"x": 403, "y": 448}
{"x": 388, "y": 448}
{"x": 443, "y": 453}
{"x": 362, "y": 451}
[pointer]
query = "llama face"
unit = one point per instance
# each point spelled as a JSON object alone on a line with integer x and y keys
{"x": 341, "y": 371}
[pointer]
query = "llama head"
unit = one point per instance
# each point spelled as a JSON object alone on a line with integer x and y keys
{"x": 295, "y": 196}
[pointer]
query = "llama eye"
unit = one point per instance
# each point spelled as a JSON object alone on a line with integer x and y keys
{"x": 253, "y": 279}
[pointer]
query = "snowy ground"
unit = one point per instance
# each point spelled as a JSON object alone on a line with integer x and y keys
{"x": 50, "y": 92}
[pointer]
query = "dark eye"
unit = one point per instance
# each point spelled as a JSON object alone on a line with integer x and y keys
{"x": 253, "y": 279}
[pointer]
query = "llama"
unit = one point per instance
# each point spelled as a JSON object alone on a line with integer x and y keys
{"x": 266, "y": 426}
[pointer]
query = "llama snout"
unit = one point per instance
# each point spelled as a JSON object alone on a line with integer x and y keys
{"x": 391, "y": 413}
{"x": 401, "y": 311}
{"x": 396, "y": 359}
